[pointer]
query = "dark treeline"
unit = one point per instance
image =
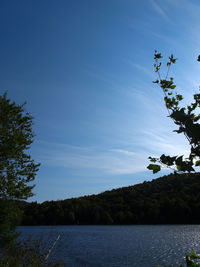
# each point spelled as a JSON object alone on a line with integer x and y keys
{"x": 167, "y": 200}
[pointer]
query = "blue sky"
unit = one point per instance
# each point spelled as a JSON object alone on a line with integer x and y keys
{"x": 85, "y": 69}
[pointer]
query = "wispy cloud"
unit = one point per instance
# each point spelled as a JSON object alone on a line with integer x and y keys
{"x": 124, "y": 152}
{"x": 141, "y": 68}
{"x": 165, "y": 38}
{"x": 93, "y": 73}
{"x": 165, "y": 142}
{"x": 113, "y": 161}
{"x": 108, "y": 161}
{"x": 159, "y": 10}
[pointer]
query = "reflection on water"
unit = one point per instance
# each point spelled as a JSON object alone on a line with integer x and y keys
{"x": 119, "y": 246}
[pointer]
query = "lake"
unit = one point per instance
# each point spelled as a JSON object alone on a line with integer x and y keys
{"x": 118, "y": 246}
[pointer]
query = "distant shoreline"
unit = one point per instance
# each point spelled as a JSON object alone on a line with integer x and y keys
{"x": 172, "y": 199}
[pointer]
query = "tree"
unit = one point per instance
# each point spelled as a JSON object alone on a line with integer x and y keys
{"x": 186, "y": 118}
{"x": 17, "y": 168}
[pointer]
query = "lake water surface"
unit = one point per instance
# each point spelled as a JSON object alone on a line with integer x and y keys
{"x": 118, "y": 246}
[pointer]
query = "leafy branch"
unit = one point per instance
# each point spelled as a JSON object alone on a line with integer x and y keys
{"x": 186, "y": 118}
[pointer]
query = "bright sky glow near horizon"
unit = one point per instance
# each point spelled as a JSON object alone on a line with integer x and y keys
{"x": 85, "y": 69}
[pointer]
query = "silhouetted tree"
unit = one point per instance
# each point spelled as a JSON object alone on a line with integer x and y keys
{"x": 186, "y": 118}
{"x": 17, "y": 168}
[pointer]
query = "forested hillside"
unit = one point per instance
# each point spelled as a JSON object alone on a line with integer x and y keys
{"x": 167, "y": 200}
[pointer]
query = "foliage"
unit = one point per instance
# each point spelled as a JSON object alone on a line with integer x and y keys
{"x": 28, "y": 253}
{"x": 172, "y": 199}
{"x": 10, "y": 217}
{"x": 17, "y": 168}
{"x": 186, "y": 118}
{"x": 189, "y": 260}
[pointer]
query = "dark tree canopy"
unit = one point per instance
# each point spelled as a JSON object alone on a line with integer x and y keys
{"x": 172, "y": 199}
{"x": 16, "y": 166}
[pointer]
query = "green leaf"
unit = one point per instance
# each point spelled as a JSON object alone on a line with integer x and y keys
{"x": 172, "y": 59}
{"x": 157, "y": 55}
{"x": 194, "y": 255}
{"x": 152, "y": 159}
{"x": 179, "y": 97}
{"x": 157, "y": 81}
{"x": 167, "y": 160}
{"x": 197, "y": 163}
{"x": 173, "y": 86}
{"x": 190, "y": 263}
{"x": 178, "y": 167}
{"x": 154, "y": 167}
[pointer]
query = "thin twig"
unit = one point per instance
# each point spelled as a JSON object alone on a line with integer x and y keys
{"x": 159, "y": 76}
{"x": 49, "y": 252}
